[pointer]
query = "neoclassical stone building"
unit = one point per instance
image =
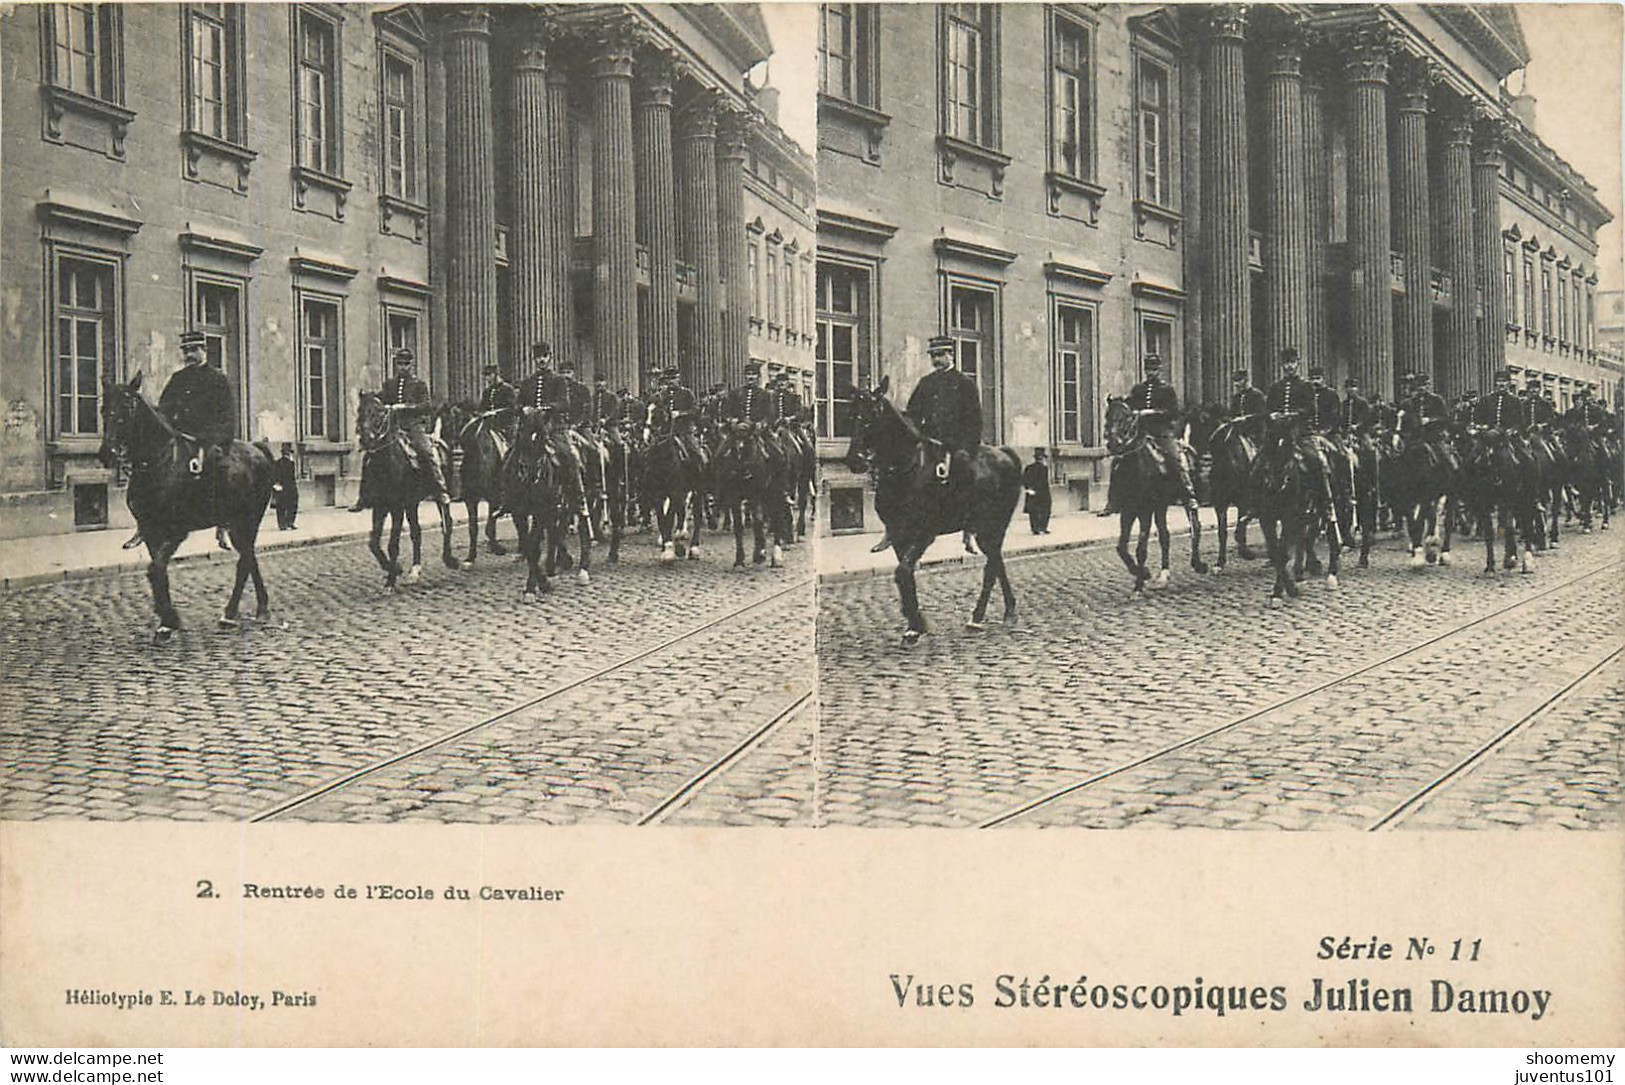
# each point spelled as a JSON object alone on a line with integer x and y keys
{"x": 314, "y": 185}
{"x": 1065, "y": 187}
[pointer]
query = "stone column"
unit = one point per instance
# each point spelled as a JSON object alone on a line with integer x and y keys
{"x": 1226, "y": 310}
{"x": 657, "y": 207}
{"x": 1457, "y": 369}
{"x": 1413, "y": 329}
{"x": 1488, "y": 247}
{"x": 1287, "y": 276}
{"x": 697, "y": 234}
{"x": 1318, "y": 179}
{"x": 561, "y": 208}
{"x": 531, "y": 268}
{"x": 735, "y": 133}
{"x": 1370, "y": 304}
{"x": 614, "y": 211}
{"x": 471, "y": 221}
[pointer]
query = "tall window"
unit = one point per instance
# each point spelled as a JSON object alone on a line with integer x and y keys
{"x": 400, "y": 128}
{"x": 1562, "y": 313}
{"x": 1152, "y": 108}
{"x": 214, "y": 75}
{"x": 841, "y": 344}
{"x": 846, "y": 51}
{"x": 753, "y": 264}
{"x": 86, "y": 320}
{"x": 970, "y": 323}
{"x": 1546, "y": 326}
{"x": 1509, "y": 275}
{"x": 319, "y": 368}
{"x": 1071, "y": 101}
{"x": 216, "y": 314}
{"x": 1157, "y": 337}
{"x": 1074, "y": 374}
{"x": 1577, "y": 332}
{"x": 1529, "y": 311}
{"x": 789, "y": 294}
{"x": 772, "y": 287}
{"x": 318, "y": 94}
{"x": 401, "y": 333}
{"x": 85, "y": 49}
{"x": 968, "y": 73}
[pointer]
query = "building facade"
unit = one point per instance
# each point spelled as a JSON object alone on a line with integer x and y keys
{"x": 316, "y": 185}
{"x": 1064, "y": 189}
{"x": 780, "y": 244}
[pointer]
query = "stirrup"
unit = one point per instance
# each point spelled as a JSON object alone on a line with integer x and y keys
{"x": 942, "y": 470}
{"x": 195, "y": 465}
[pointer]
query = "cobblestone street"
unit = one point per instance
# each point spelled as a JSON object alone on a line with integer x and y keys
{"x": 968, "y": 727}
{"x": 681, "y": 696}
{"x": 99, "y": 723}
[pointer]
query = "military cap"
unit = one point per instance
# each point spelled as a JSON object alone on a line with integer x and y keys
{"x": 541, "y": 350}
{"x": 1242, "y": 374}
{"x": 404, "y": 354}
{"x": 1421, "y": 378}
{"x": 1502, "y": 375}
{"x": 753, "y": 366}
{"x": 193, "y": 339}
{"x": 1351, "y": 383}
{"x": 672, "y": 371}
{"x": 565, "y": 365}
{"x": 939, "y": 342}
{"x": 1317, "y": 371}
{"x": 1471, "y": 393}
{"x": 1533, "y": 383}
{"x": 1153, "y": 360}
{"x": 491, "y": 365}
{"x": 1289, "y": 354}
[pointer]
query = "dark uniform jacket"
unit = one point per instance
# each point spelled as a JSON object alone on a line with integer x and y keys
{"x": 1291, "y": 394}
{"x": 499, "y": 396}
{"x": 1540, "y": 411}
{"x": 1035, "y": 481}
{"x": 784, "y": 407}
{"x": 1422, "y": 407}
{"x": 606, "y": 407}
{"x": 677, "y": 401}
{"x": 199, "y": 401}
{"x": 948, "y": 407}
{"x": 1503, "y": 410}
{"x": 577, "y": 401}
{"x": 1246, "y": 400}
{"x": 1355, "y": 411}
{"x": 1154, "y": 395}
{"x": 544, "y": 390}
{"x": 746, "y": 404}
{"x": 1324, "y": 411}
{"x": 1587, "y": 413}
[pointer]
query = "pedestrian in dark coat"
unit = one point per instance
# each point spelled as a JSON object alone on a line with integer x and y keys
{"x": 1035, "y": 483}
{"x": 285, "y": 490}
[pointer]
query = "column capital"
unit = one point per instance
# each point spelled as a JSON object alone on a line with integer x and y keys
{"x": 611, "y": 43}
{"x": 1456, "y": 117}
{"x": 1367, "y": 54}
{"x": 1490, "y": 132}
{"x": 466, "y": 19}
{"x": 734, "y": 126}
{"x": 1226, "y": 21}
{"x": 1415, "y": 79}
{"x": 698, "y": 114}
{"x": 535, "y": 36}
{"x": 1286, "y": 40}
{"x": 657, "y": 71}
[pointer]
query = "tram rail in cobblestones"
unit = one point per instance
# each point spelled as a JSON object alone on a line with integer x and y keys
{"x": 1055, "y": 794}
{"x": 1403, "y": 810}
{"x": 682, "y": 795}
{"x": 347, "y": 779}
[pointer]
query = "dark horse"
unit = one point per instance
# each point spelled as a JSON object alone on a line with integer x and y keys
{"x": 542, "y": 499}
{"x": 1143, "y": 486}
{"x": 916, "y": 506}
{"x": 750, "y": 472}
{"x": 1423, "y": 495}
{"x": 667, "y": 486}
{"x": 483, "y": 440}
{"x": 1501, "y": 481}
{"x": 1228, "y": 455}
{"x": 174, "y": 503}
{"x": 1288, "y": 493}
{"x": 394, "y": 486}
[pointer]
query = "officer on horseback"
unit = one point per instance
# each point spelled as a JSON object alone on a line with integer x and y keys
{"x": 677, "y": 401}
{"x": 407, "y": 393}
{"x": 749, "y": 403}
{"x": 200, "y": 403}
{"x": 548, "y": 394}
{"x": 948, "y": 408}
{"x": 606, "y": 406}
{"x": 1354, "y": 415}
{"x": 1586, "y": 411}
{"x": 1425, "y": 408}
{"x": 1501, "y": 409}
{"x": 1157, "y": 407}
{"x": 499, "y": 396}
{"x": 1291, "y": 400}
{"x": 1246, "y": 403}
{"x": 1466, "y": 408}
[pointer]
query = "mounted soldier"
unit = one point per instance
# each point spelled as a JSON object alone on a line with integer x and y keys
{"x": 948, "y": 408}
{"x": 200, "y": 403}
{"x": 1157, "y": 410}
{"x": 408, "y": 398}
{"x": 1354, "y": 414}
{"x": 676, "y": 401}
{"x": 1296, "y": 408}
{"x": 498, "y": 397}
{"x": 1465, "y": 409}
{"x": 1247, "y": 405}
{"x": 546, "y": 395}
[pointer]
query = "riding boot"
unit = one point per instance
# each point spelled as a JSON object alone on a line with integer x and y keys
{"x": 359, "y": 506}
{"x": 964, "y": 538}
{"x": 133, "y": 541}
{"x": 883, "y": 544}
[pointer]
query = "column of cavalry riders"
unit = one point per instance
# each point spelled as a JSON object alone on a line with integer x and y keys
{"x": 1306, "y": 462}
{"x": 598, "y": 439}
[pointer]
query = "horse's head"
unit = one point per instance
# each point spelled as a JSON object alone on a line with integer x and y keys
{"x": 1121, "y": 428}
{"x": 123, "y": 410}
{"x": 866, "y": 413}
{"x": 373, "y": 418}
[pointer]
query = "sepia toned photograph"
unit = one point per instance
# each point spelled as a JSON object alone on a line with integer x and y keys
{"x": 441, "y": 436}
